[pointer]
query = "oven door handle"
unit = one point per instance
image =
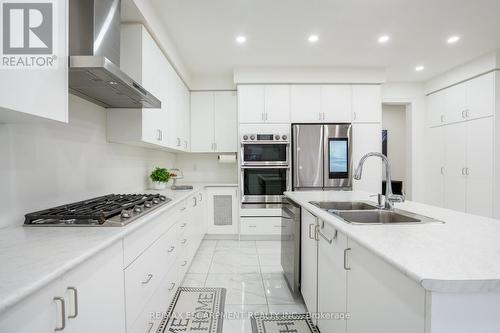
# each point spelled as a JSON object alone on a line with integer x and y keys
{"x": 265, "y": 167}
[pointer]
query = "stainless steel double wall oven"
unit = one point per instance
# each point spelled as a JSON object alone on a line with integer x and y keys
{"x": 265, "y": 167}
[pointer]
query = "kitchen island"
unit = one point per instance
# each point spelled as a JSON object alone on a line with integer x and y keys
{"x": 431, "y": 277}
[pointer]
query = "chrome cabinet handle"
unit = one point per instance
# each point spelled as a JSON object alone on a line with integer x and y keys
{"x": 183, "y": 225}
{"x": 329, "y": 240}
{"x": 178, "y": 142}
{"x": 201, "y": 197}
{"x": 183, "y": 208}
{"x": 467, "y": 171}
{"x": 463, "y": 114}
{"x": 150, "y": 327}
{"x": 160, "y": 134}
{"x": 63, "y": 313}
{"x": 184, "y": 241}
{"x": 442, "y": 118}
{"x": 185, "y": 144}
{"x": 195, "y": 202}
{"x": 150, "y": 276}
{"x": 172, "y": 285}
{"x": 442, "y": 170}
{"x": 75, "y": 298}
{"x": 354, "y": 116}
{"x": 463, "y": 172}
{"x": 346, "y": 251}
{"x": 184, "y": 263}
{"x": 311, "y": 225}
{"x": 171, "y": 249}
{"x": 467, "y": 113}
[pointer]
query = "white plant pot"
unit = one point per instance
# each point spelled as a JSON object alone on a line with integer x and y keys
{"x": 159, "y": 185}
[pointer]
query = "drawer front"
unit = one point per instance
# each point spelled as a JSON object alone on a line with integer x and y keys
{"x": 260, "y": 225}
{"x": 138, "y": 241}
{"x": 152, "y": 314}
{"x": 143, "y": 276}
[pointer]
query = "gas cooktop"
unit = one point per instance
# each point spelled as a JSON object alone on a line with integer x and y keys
{"x": 113, "y": 210}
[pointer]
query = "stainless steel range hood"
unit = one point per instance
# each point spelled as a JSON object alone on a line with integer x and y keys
{"x": 94, "y": 62}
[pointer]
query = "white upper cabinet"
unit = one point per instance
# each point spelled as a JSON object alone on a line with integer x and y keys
{"x": 306, "y": 104}
{"x": 455, "y": 103}
{"x": 38, "y": 94}
{"x": 264, "y": 103}
{"x": 480, "y": 96}
{"x": 202, "y": 121}
{"x": 468, "y": 100}
{"x": 166, "y": 127}
{"x": 436, "y": 108}
{"x": 214, "y": 126}
{"x": 226, "y": 125}
{"x": 336, "y": 106}
{"x": 366, "y": 104}
{"x": 277, "y": 104}
{"x": 251, "y": 103}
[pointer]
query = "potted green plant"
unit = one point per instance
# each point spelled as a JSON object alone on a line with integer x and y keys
{"x": 160, "y": 178}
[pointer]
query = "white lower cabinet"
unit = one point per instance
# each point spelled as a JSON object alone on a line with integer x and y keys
{"x": 222, "y": 210}
{"x": 332, "y": 280}
{"x": 352, "y": 289}
{"x": 87, "y": 299}
{"x": 260, "y": 225}
{"x": 309, "y": 261}
{"x": 379, "y": 297}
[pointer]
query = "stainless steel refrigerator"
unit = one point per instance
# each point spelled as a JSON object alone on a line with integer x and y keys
{"x": 321, "y": 156}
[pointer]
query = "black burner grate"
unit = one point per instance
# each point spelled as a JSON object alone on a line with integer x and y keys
{"x": 93, "y": 211}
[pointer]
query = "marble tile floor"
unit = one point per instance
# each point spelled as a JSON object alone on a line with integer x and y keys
{"x": 252, "y": 275}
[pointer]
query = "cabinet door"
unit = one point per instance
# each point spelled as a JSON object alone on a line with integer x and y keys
{"x": 202, "y": 121}
{"x": 480, "y": 167}
{"x": 480, "y": 96}
{"x": 277, "y": 104}
{"x": 336, "y": 103}
{"x": 381, "y": 298}
{"x": 251, "y": 103}
{"x": 309, "y": 261}
{"x": 222, "y": 210}
{"x": 332, "y": 279}
{"x": 455, "y": 103}
{"x": 306, "y": 104}
{"x": 96, "y": 288}
{"x": 436, "y": 108}
{"x": 435, "y": 166}
{"x": 367, "y": 138}
{"x": 38, "y": 313}
{"x": 455, "y": 163}
{"x": 366, "y": 104}
{"x": 226, "y": 123}
{"x": 185, "y": 117}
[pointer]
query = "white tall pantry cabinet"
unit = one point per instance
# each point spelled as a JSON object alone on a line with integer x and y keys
{"x": 461, "y": 160}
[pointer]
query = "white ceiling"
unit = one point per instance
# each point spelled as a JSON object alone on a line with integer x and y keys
{"x": 204, "y": 32}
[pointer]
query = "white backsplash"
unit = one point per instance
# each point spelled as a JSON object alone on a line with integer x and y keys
{"x": 48, "y": 164}
{"x": 206, "y": 168}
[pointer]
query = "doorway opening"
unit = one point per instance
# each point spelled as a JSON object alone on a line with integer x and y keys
{"x": 396, "y": 125}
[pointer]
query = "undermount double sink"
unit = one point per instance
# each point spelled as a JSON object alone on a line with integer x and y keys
{"x": 365, "y": 213}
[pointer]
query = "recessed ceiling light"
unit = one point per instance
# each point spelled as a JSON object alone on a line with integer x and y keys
{"x": 453, "y": 39}
{"x": 241, "y": 39}
{"x": 313, "y": 38}
{"x": 419, "y": 68}
{"x": 383, "y": 39}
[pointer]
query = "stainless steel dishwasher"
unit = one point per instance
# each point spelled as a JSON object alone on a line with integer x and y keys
{"x": 290, "y": 244}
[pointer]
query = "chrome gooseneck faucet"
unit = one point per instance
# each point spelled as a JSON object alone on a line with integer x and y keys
{"x": 390, "y": 197}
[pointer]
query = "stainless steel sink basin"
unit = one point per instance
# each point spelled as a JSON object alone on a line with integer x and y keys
{"x": 343, "y": 205}
{"x": 365, "y": 213}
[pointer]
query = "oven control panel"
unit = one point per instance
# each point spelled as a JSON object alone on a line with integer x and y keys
{"x": 282, "y": 137}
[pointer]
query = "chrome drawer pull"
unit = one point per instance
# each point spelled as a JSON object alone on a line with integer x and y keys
{"x": 183, "y": 208}
{"x": 184, "y": 263}
{"x": 75, "y": 296}
{"x": 150, "y": 276}
{"x": 346, "y": 251}
{"x": 63, "y": 313}
{"x": 171, "y": 249}
{"x": 172, "y": 285}
{"x": 183, "y": 225}
{"x": 184, "y": 241}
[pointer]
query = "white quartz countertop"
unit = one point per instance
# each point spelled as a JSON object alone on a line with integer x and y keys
{"x": 31, "y": 258}
{"x": 462, "y": 255}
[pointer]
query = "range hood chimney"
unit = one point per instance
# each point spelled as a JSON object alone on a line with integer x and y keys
{"x": 94, "y": 62}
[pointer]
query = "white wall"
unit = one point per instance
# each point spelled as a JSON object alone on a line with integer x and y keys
{"x": 205, "y": 167}
{"x": 394, "y": 121}
{"x": 43, "y": 165}
{"x": 411, "y": 94}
